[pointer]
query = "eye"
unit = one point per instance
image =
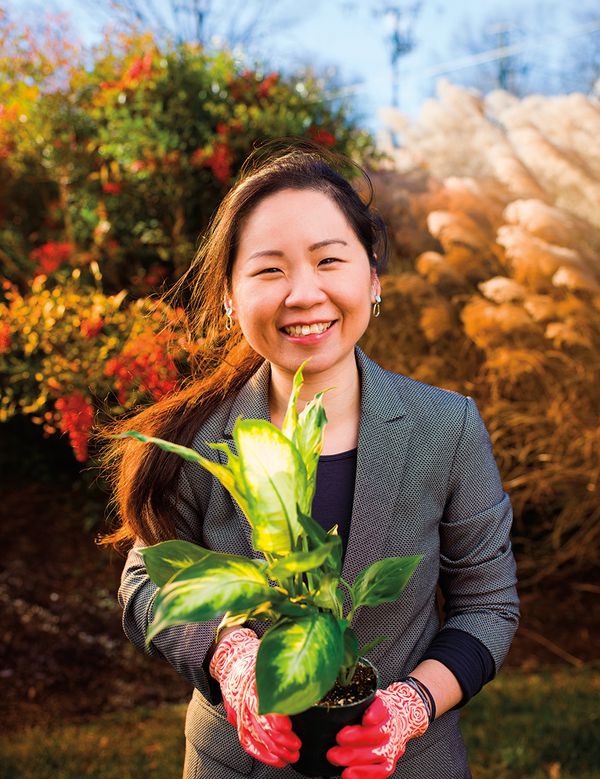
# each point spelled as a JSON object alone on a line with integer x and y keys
{"x": 329, "y": 261}
{"x": 268, "y": 271}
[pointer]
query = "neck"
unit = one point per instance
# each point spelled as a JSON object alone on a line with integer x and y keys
{"x": 341, "y": 402}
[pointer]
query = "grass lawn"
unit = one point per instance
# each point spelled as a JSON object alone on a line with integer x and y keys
{"x": 523, "y": 726}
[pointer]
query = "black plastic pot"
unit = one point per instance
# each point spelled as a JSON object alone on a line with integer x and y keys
{"x": 317, "y": 728}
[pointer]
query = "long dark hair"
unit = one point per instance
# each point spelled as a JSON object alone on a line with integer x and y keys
{"x": 145, "y": 477}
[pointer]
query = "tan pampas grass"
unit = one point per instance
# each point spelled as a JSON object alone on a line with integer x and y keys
{"x": 503, "y": 300}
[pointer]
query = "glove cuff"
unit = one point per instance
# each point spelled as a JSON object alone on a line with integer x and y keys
{"x": 408, "y": 705}
{"x": 233, "y": 646}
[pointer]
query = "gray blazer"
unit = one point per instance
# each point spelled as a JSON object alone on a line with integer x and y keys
{"x": 426, "y": 483}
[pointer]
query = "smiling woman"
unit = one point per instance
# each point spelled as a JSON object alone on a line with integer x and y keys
{"x": 288, "y": 272}
{"x": 313, "y": 303}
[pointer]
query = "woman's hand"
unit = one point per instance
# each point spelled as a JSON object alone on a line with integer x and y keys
{"x": 372, "y": 749}
{"x": 268, "y": 738}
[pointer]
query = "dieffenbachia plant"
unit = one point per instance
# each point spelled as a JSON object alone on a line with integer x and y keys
{"x": 298, "y": 586}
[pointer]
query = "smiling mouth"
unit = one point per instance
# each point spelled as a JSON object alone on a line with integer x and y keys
{"x": 316, "y": 327}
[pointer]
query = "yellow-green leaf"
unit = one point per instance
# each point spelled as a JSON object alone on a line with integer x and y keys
{"x": 298, "y": 662}
{"x": 275, "y": 481}
{"x": 208, "y": 589}
{"x": 165, "y": 560}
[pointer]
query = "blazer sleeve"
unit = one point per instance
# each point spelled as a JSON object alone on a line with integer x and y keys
{"x": 184, "y": 646}
{"x": 477, "y": 566}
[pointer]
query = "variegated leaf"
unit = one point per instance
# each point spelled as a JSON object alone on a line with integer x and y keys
{"x": 298, "y": 662}
{"x": 275, "y": 482}
{"x": 165, "y": 560}
{"x": 208, "y": 589}
{"x": 290, "y": 420}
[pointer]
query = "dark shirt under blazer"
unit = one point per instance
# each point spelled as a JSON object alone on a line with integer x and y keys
{"x": 426, "y": 483}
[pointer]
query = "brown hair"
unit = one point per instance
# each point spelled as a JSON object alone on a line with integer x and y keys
{"x": 145, "y": 477}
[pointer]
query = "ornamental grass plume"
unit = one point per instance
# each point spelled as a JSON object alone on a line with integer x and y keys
{"x": 503, "y": 300}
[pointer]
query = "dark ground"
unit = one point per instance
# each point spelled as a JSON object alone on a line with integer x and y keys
{"x": 63, "y": 654}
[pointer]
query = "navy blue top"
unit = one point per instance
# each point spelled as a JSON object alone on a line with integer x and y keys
{"x": 469, "y": 660}
{"x": 332, "y": 504}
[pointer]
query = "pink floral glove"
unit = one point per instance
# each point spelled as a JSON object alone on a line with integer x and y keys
{"x": 268, "y": 738}
{"x": 372, "y": 749}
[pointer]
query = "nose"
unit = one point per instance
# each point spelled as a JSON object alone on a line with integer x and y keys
{"x": 305, "y": 290}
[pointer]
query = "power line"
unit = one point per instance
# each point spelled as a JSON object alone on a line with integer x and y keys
{"x": 500, "y": 52}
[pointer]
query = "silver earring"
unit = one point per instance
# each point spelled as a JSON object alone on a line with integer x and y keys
{"x": 228, "y": 320}
{"x": 377, "y": 306}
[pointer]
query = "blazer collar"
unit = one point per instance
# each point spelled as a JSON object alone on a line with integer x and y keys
{"x": 379, "y": 395}
{"x": 383, "y": 445}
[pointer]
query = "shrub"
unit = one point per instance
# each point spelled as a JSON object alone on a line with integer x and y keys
{"x": 123, "y": 156}
{"x": 111, "y": 164}
{"x": 67, "y": 348}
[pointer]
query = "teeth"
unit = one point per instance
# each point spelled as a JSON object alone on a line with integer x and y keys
{"x": 318, "y": 327}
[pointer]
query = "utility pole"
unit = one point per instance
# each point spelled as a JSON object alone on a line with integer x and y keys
{"x": 399, "y": 20}
{"x": 506, "y": 68}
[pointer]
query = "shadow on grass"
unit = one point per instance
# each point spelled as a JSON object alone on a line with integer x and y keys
{"x": 142, "y": 742}
{"x": 529, "y": 726}
{"x": 522, "y": 726}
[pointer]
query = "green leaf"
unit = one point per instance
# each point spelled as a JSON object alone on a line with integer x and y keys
{"x": 299, "y": 562}
{"x": 168, "y": 558}
{"x": 314, "y": 532}
{"x": 328, "y": 595}
{"x": 208, "y": 589}
{"x": 182, "y": 451}
{"x": 290, "y": 420}
{"x": 372, "y": 644}
{"x": 297, "y": 663}
{"x": 288, "y": 607}
{"x": 231, "y": 477}
{"x": 317, "y": 537}
{"x": 335, "y": 560}
{"x": 383, "y": 581}
{"x": 309, "y": 440}
{"x": 275, "y": 482}
{"x": 228, "y": 475}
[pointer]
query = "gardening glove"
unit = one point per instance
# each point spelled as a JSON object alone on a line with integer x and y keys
{"x": 268, "y": 738}
{"x": 372, "y": 749}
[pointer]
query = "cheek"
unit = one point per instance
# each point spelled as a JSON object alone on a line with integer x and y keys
{"x": 252, "y": 311}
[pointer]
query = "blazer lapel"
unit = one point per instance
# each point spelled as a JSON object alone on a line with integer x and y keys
{"x": 384, "y": 437}
{"x": 383, "y": 442}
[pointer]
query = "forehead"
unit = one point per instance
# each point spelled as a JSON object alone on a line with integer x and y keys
{"x": 292, "y": 212}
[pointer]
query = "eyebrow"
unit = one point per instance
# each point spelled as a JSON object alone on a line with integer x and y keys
{"x": 312, "y": 248}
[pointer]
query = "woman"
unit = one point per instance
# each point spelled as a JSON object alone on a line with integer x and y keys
{"x": 288, "y": 271}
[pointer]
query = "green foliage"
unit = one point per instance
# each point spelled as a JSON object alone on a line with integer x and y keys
{"x": 310, "y": 643}
{"x": 206, "y": 589}
{"x": 125, "y": 155}
{"x": 110, "y": 168}
{"x": 66, "y": 348}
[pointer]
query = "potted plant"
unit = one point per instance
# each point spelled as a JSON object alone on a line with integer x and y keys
{"x": 309, "y": 664}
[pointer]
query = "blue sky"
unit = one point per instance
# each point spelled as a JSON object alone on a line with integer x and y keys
{"x": 344, "y": 35}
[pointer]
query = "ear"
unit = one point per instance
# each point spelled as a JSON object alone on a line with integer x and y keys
{"x": 375, "y": 285}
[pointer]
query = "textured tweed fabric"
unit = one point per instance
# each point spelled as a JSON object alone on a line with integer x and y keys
{"x": 426, "y": 483}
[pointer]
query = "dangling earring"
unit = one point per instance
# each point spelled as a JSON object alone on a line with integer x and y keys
{"x": 377, "y": 306}
{"x": 228, "y": 313}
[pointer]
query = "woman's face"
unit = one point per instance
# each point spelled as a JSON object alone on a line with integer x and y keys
{"x": 301, "y": 282}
